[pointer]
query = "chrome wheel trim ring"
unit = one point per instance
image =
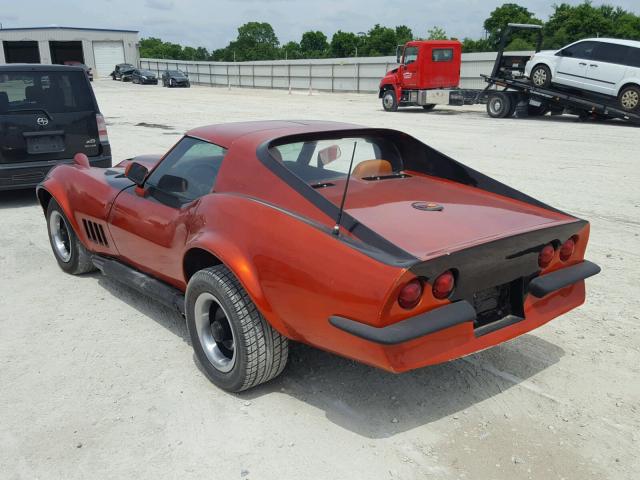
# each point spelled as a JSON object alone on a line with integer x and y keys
{"x": 217, "y": 351}
{"x": 60, "y": 238}
{"x": 388, "y": 100}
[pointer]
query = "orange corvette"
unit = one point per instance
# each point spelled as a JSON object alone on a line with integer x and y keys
{"x": 364, "y": 242}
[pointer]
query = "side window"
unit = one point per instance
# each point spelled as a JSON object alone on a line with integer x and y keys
{"x": 410, "y": 55}
{"x": 633, "y": 57}
{"x": 442, "y": 54}
{"x": 582, "y": 50}
{"x": 188, "y": 172}
{"x": 610, "y": 52}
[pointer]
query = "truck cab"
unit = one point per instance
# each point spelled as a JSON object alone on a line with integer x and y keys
{"x": 424, "y": 65}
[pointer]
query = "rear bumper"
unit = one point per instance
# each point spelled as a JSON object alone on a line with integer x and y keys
{"x": 448, "y": 332}
{"x": 16, "y": 176}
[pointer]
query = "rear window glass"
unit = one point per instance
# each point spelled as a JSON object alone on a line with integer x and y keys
{"x": 55, "y": 92}
{"x": 320, "y": 160}
{"x": 442, "y": 54}
{"x": 634, "y": 57}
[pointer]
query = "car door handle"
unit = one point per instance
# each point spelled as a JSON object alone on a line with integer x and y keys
{"x": 593, "y": 65}
{"x": 582, "y": 63}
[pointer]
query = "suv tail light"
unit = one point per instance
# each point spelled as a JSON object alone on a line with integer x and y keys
{"x": 546, "y": 255}
{"x": 102, "y": 129}
{"x": 410, "y": 294}
{"x": 443, "y": 285}
{"x": 568, "y": 248}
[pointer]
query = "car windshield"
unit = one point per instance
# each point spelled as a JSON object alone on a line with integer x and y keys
{"x": 146, "y": 72}
{"x": 52, "y": 92}
{"x": 317, "y": 161}
{"x": 176, "y": 73}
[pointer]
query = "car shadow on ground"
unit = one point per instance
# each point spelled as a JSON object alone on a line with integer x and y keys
{"x": 18, "y": 198}
{"x": 374, "y": 403}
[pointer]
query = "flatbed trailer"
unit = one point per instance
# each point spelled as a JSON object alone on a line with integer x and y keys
{"x": 538, "y": 101}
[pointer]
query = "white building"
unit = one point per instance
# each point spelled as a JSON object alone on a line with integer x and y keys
{"x": 100, "y": 49}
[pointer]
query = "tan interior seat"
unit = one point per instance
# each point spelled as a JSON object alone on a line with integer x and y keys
{"x": 373, "y": 168}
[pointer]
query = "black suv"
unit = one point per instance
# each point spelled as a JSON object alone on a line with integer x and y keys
{"x": 48, "y": 113}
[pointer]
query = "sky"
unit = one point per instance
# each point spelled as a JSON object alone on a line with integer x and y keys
{"x": 214, "y": 23}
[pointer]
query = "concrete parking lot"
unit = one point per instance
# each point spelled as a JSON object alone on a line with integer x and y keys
{"x": 97, "y": 381}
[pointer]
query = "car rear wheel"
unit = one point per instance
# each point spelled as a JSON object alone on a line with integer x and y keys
{"x": 233, "y": 342}
{"x": 541, "y": 76}
{"x": 389, "y": 101}
{"x": 499, "y": 105}
{"x": 629, "y": 98}
{"x": 70, "y": 254}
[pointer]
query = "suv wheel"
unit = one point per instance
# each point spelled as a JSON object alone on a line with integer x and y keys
{"x": 69, "y": 252}
{"x": 389, "y": 101}
{"x": 541, "y": 76}
{"x": 629, "y": 98}
{"x": 233, "y": 342}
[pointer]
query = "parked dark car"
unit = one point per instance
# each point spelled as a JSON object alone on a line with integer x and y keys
{"x": 144, "y": 77}
{"x": 175, "y": 78}
{"x": 122, "y": 72}
{"x": 48, "y": 113}
{"x": 86, "y": 68}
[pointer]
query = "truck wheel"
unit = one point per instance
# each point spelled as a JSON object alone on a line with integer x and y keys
{"x": 233, "y": 342}
{"x": 70, "y": 254}
{"x": 629, "y": 98}
{"x": 499, "y": 105}
{"x": 428, "y": 107}
{"x": 541, "y": 76}
{"x": 389, "y": 101}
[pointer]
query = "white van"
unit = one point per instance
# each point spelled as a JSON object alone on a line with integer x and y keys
{"x": 604, "y": 65}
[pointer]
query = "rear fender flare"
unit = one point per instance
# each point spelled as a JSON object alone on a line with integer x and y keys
{"x": 239, "y": 263}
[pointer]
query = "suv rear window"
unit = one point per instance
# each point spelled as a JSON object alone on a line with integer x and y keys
{"x": 55, "y": 92}
{"x": 611, "y": 53}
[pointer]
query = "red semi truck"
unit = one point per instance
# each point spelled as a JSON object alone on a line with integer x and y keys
{"x": 424, "y": 67}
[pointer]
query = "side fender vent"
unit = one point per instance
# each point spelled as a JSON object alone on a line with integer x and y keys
{"x": 95, "y": 232}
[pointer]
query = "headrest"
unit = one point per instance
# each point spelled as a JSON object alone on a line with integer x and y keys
{"x": 373, "y": 168}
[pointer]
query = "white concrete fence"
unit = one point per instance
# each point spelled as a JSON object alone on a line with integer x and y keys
{"x": 331, "y": 74}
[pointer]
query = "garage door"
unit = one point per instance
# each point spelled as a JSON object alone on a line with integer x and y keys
{"x": 107, "y": 55}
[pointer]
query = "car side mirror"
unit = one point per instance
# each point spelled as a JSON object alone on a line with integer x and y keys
{"x": 137, "y": 173}
{"x": 173, "y": 184}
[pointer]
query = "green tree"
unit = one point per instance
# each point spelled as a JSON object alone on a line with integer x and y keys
{"x": 569, "y": 23}
{"x": 255, "y": 41}
{"x": 403, "y": 34}
{"x": 344, "y": 44}
{"x": 436, "y": 33}
{"x": 471, "y": 46}
{"x": 291, "y": 51}
{"x": 509, "y": 13}
{"x": 314, "y": 44}
{"x": 380, "y": 41}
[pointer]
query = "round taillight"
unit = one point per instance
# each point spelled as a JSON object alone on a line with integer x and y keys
{"x": 443, "y": 285}
{"x": 567, "y": 249}
{"x": 410, "y": 294}
{"x": 546, "y": 255}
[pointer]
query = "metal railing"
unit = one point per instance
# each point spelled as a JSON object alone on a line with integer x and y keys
{"x": 361, "y": 75}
